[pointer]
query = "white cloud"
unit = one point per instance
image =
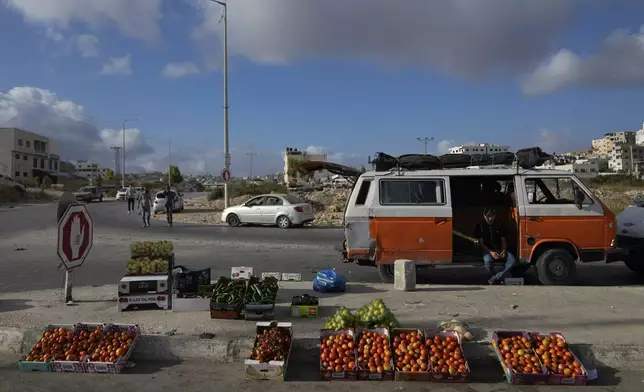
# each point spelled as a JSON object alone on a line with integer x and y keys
{"x": 559, "y": 141}
{"x": 54, "y": 35}
{"x": 465, "y": 37}
{"x": 87, "y": 45}
{"x": 179, "y": 70}
{"x": 618, "y": 62}
{"x": 134, "y": 18}
{"x": 118, "y": 66}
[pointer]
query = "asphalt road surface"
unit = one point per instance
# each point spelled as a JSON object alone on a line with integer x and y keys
{"x": 29, "y": 261}
{"x": 301, "y": 376}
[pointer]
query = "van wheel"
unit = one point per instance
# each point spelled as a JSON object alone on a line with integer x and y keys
{"x": 386, "y": 272}
{"x": 634, "y": 261}
{"x": 556, "y": 267}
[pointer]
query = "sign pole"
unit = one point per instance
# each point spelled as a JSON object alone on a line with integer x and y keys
{"x": 69, "y": 277}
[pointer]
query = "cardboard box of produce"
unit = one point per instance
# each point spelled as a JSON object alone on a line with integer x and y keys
{"x": 448, "y": 344}
{"x": 563, "y": 366}
{"x": 271, "y": 351}
{"x": 186, "y": 280}
{"x": 375, "y": 358}
{"x": 39, "y": 358}
{"x": 511, "y": 347}
{"x": 404, "y": 342}
{"x": 334, "y": 346}
{"x": 305, "y": 306}
{"x": 228, "y": 298}
{"x": 126, "y": 337}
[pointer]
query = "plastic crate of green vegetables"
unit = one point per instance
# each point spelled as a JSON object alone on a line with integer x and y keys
{"x": 260, "y": 298}
{"x": 305, "y": 306}
{"x": 228, "y": 298}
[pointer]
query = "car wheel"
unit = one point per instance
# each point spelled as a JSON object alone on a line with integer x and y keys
{"x": 233, "y": 220}
{"x": 386, "y": 272}
{"x": 556, "y": 267}
{"x": 634, "y": 261}
{"x": 283, "y": 222}
{"x": 100, "y": 199}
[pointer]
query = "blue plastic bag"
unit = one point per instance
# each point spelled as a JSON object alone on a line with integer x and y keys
{"x": 328, "y": 280}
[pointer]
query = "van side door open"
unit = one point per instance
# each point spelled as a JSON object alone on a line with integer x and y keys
{"x": 555, "y": 210}
{"x": 413, "y": 220}
{"x": 358, "y": 213}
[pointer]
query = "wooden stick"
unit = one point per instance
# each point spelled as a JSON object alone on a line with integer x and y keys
{"x": 465, "y": 236}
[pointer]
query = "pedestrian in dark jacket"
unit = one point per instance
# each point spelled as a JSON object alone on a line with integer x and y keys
{"x": 169, "y": 204}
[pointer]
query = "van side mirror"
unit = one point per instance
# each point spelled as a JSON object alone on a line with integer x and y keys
{"x": 580, "y": 196}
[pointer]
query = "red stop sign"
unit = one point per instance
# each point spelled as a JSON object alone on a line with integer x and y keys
{"x": 75, "y": 236}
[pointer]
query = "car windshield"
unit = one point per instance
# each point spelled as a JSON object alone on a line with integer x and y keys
{"x": 86, "y": 189}
{"x": 294, "y": 199}
{"x": 123, "y": 190}
{"x": 160, "y": 195}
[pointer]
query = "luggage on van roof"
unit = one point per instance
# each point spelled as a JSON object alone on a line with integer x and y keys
{"x": 384, "y": 162}
{"x": 528, "y": 158}
{"x": 419, "y": 162}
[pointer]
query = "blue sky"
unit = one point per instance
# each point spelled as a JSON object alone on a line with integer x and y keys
{"x": 310, "y": 75}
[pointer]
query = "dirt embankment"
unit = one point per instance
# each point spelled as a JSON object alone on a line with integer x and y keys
{"x": 329, "y": 205}
{"x": 11, "y": 195}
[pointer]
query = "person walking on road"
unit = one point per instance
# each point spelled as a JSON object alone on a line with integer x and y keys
{"x": 145, "y": 203}
{"x": 169, "y": 204}
{"x": 130, "y": 195}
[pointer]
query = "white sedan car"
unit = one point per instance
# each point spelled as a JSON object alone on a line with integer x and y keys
{"x": 159, "y": 202}
{"x": 283, "y": 211}
{"x": 120, "y": 194}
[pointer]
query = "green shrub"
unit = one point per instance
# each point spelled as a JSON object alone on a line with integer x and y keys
{"x": 615, "y": 181}
{"x": 215, "y": 194}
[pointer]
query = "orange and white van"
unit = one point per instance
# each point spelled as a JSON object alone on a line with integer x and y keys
{"x": 552, "y": 219}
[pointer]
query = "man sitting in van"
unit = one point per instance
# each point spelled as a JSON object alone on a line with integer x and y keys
{"x": 494, "y": 244}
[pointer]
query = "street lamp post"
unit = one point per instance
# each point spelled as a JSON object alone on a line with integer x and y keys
{"x": 226, "y": 150}
{"x": 425, "y": 140}
{"x": 123, "y": 153}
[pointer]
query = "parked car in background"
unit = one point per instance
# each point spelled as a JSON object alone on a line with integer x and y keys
{"x": 89, "y": 194}
{"x": 159, "y": 202}
{"x": 282, "y": 211}
{"x": 120, "y": 194}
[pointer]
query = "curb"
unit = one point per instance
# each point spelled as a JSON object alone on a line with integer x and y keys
{"x": 236, "y": 349}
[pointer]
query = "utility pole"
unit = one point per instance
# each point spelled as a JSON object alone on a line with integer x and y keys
{"x": 123, "y": 153}
{"x": 169, "y": 163}
{"x": 226, "y": 149}
{"x": 632, "y": 169}
{"x": 425, "y": 140}
{"x": 117, "y": 153}
{"x": 250, "y": 169}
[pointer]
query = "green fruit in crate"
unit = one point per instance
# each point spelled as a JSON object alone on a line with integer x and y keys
{"x": 153, "y": 249}
{"x": 342, "y": 319}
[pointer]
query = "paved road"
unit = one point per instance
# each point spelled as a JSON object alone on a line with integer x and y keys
{"x": 28, "y": 251}
{"x": 301, "y": 376}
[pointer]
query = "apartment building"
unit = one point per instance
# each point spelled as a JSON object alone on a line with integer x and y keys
{"x": 582, "y": 168}
{"x": 604, "y": 146}
{"x": 621, "y": 155}
{"x": 26, "y": 155}
{"x": 89, "y": 170}
{"x": 639, "y": 136}
{"x": 482, "y": 148}
{"x": 302, "y": 156}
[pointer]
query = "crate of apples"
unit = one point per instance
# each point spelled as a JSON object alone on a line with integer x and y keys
{"x": 446, "y": 361}
{"x": 338, "y": 355}
{"x": 411, "y": 357}
{"x": 563, "y": 366}
{"x": 517, "y": 355}
{"x": 375, "y": 358}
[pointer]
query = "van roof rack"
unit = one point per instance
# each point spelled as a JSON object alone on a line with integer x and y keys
{"x": 526, "y": 158}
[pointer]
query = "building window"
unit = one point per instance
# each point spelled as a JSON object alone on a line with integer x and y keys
{"x": 50, "y": 165}
{"x": 17, "y": 174}
{"x": 20, "y": 142}
{"x": 56, "y": 165}
{"x": 17, "y": 156}
{"x": 37, "y": 145}
{"x": 25, "y": 174}
{"x": 42, "y": 163}
{"x": 28, "y": 144}
{"x": 24, "y": 157}
{"x": 35, "y": 162}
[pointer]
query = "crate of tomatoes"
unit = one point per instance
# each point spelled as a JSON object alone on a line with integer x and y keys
{"x": 108, "y": 346}
{"x": 271, "y": 350}
{"x": 338, "y": 355}
{"x": 446, "y": 360}
{"x": 563, "y": 366}
{"x": 53, "y": 344}
{"x": 410, "y": 355}
{"x": 375, "y": 358}
{"x": 518, "y": 358}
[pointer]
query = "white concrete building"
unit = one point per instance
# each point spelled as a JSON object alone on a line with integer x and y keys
{"x": 482, "y": 148}
{"x": 581, "y": 168}
{"x": 620, "y": 157}
{"x": 302, "y": 156}
{"x": 604, "y": 146}
{"x": 25, "y": 155}
{"x": 639, "y": 136}
{"x": 88, "y": 169}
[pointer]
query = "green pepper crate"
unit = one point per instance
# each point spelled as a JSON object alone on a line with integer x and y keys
{"x": 309, "y": 311}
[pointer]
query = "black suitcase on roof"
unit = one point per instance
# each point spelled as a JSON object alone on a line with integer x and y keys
{"x": 457, "y": 161}
{"x": 528, "y": 158}
{"x": 384, "y": 162}
{"x": 419, "y": 162}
